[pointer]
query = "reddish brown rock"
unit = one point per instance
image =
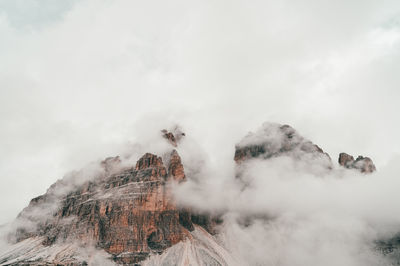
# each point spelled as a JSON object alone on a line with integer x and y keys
{"x": 129, "y": 214}
{"x": 345, "y": 160}
{"x": 173, "y": 137}
{"x": 170, "y": 137}
{"x": 149, "y": 160}
{"x": 363, "y": 164}
{"x": 175, "y": 169}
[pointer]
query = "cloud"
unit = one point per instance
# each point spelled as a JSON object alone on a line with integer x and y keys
{"x": 77, "y": 82}
{"x": 286, "y": 211}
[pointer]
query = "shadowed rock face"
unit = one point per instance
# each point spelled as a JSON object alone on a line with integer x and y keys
{"x": 274, "y": 140}
{"x": 363, "y": 164}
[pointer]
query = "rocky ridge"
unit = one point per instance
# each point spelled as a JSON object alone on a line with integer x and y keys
{"x": 130, "y": 215}
{"x": 275, "y": 140}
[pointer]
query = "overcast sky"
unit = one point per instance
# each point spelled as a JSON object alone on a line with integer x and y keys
{"x": 80, "y": 80}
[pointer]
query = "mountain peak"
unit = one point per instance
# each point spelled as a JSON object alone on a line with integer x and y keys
{"x": 148, "y": 160}
{"x": 274, "y": 140}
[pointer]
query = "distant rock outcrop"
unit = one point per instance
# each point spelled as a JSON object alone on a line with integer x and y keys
{"x": 274, "y": 140}
{"x": 173, "y": 137}
{"x": 363, "y": 164}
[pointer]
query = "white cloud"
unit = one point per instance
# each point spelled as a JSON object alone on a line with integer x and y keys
{"x": 74, "y": 81}
{"x": 285, "y": 211}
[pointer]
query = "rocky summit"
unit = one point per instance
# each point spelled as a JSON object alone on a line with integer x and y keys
{"x": 128, "y": 215}
{"x": 128, "y": 212}
{"x": 275, "y": 140}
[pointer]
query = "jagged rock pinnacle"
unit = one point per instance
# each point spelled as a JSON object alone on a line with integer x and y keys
{"x": 363, "y": 164}
{"x": 173, "y": 137}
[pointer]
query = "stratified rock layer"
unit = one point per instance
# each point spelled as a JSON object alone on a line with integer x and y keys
{"x": 363, "y": 164}
{"x": 129, "y": 214}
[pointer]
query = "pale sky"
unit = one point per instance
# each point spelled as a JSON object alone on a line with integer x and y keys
{"x": 81, "y": 79}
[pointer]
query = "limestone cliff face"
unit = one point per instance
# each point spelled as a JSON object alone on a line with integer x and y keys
{"x": 363, "y": 164}
{"x": 128, "y": 212}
